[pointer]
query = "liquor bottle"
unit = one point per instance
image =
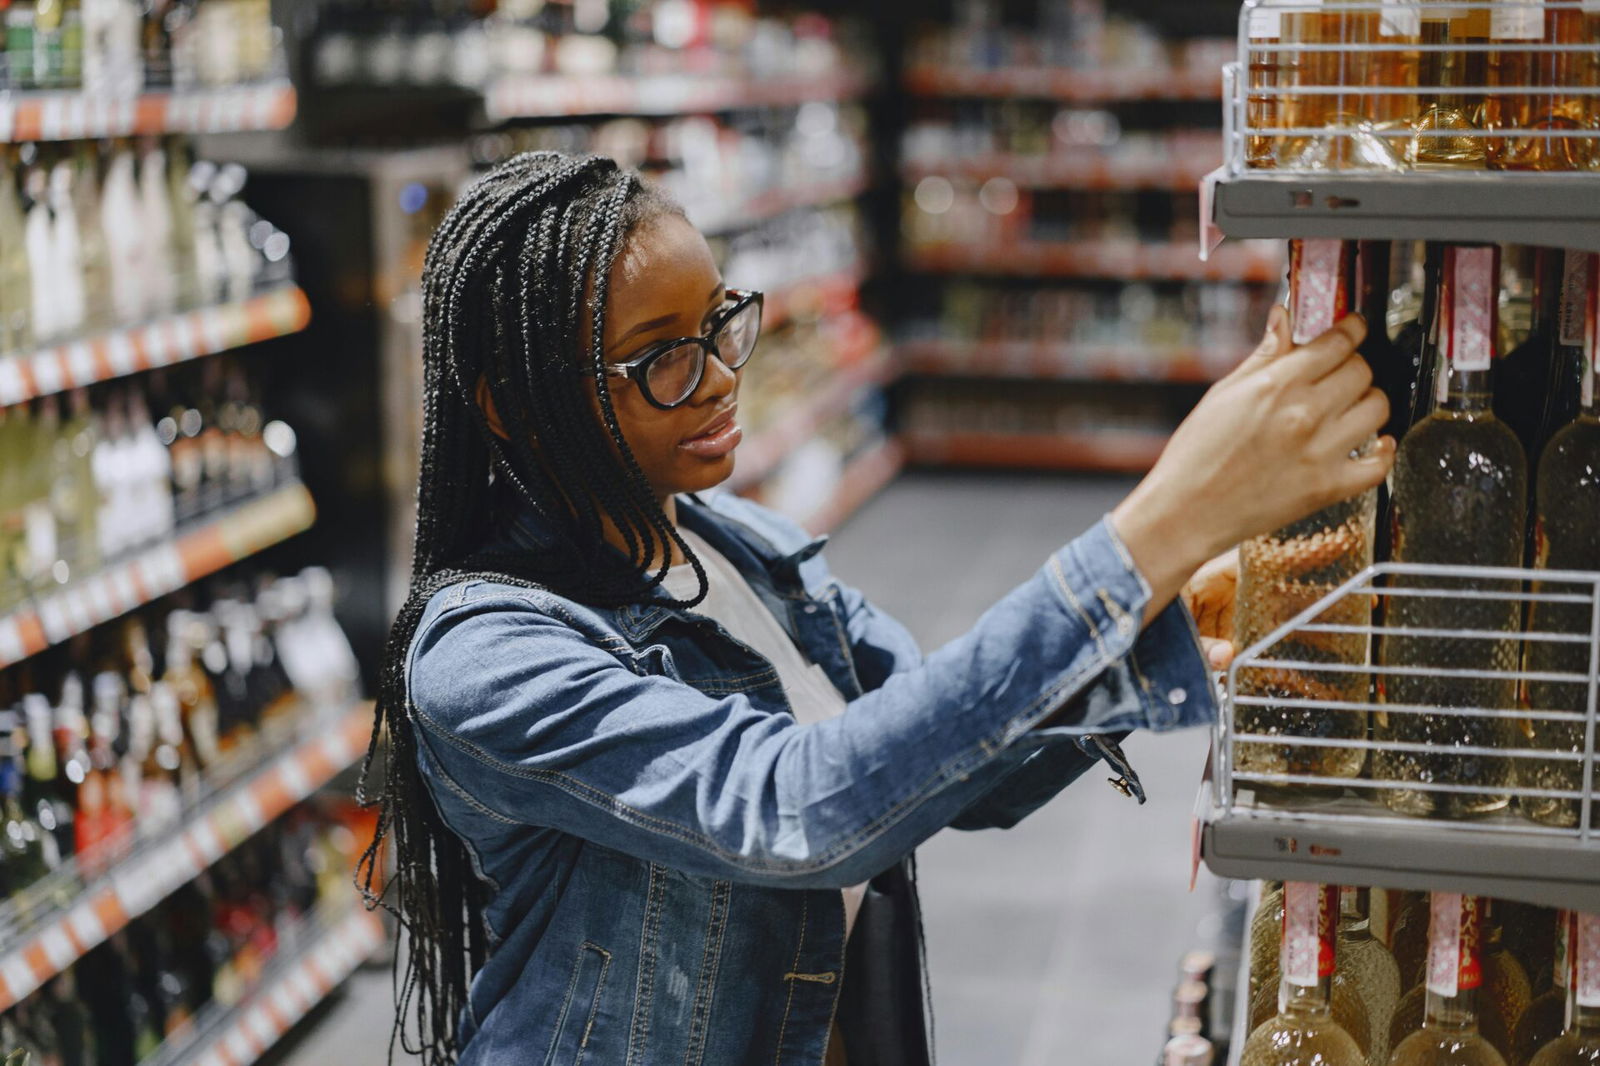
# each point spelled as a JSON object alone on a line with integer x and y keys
{"x": 92, "y": 251}
{"x": 23, "y": 842}
{"x": 1557, "y": 133}
{"x": 1304, "y": 1033}
{"x": 105, "y": 724}
{"x": 1419, "y": 338}
{"x": 1266, "y": 938}
{"x": 1459, "y": 499}
{"x": 1449, "y": 1034}
{"x": 16, "y": 331}
{"x": 1579, "y": 1045}
{"x": 1506, "y": 991}
{"x": 1546, "y": 1017}
{"x": 1524, "y": 376}
{"x": 1564, "y": 398}
{"x": 1368, "y": 967}
{"x": 1283, "y": 573}
{"x": 191, "y": 684}
{"x": 41, "y": 795}
{"x": 1329, "y": 54}
{"x": 1567, "y": 537}
{"x": 1446, "y": 131}
{"x": 1393, "y": 370}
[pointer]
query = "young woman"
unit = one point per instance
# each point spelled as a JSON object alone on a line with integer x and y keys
{"x": 654, "y": 776}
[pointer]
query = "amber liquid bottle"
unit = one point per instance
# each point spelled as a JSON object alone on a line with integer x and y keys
{"x": 1551, "y": 129}
{"x": 1449, "y": 1034}
{"x": 1446, "y": 132}
{"x": 1329, "y": 72}
{"x": 1460, "y": 491}
{"x": 1303, "y": 1032}
{"x": 1285, "y": 572}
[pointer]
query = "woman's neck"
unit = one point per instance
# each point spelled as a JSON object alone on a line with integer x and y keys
{"x": 669, "y": 507}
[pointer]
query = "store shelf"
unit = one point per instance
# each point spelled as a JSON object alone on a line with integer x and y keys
{"x": 556, "y": 96}
{"x": 1558, "y": 210}
{"x": 67, "y": 115}
{"x": 1036, "y": 360}
{"x": 1107, "y": 85}
{"x": 760, "y": 455}
{"x": 1176, "y": 172}
{"x": 777, "y": 202}
{"x": 52, "y": 939}
{"x": 203, "y": 548}
{"x": 1115, "y": 451}
{"x": 1123, "y": 259}
{"x": 173, "y": 339}
{"x": 329, "y": 951}
{"x": 863, "y": 478}
{"x": 823, "y": 294}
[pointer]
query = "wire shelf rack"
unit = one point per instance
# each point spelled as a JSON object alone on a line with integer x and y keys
{"x": 1419, "y": 726}
{"x": 1419, "y": 119}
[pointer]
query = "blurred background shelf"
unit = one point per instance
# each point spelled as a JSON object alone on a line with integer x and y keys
{"x": 1121, "y": 259}
{"x": 64, "y": 114}
{"x": 1031, "y": 360}
{"x": 552, "y": 96}
{"x": 1175, "y": 171}
{"x": 1067, "y": 86}
{"x": 1112, "y": 451}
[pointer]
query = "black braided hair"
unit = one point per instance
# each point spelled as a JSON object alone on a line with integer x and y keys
{"x": 526, "y": 250}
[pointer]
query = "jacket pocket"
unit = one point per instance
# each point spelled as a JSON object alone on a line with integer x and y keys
{"x": 575, "y": 1023}
{"x": 655, "y": 660}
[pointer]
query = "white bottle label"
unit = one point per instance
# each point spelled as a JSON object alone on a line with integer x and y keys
{"x": 1316, "y": 288}
{"x": 1574, "y": 291}
{"x": 1453, "y": 962}
{"x": 1266, "y": 22}
{"x": 1587, "y": 938}
{"x": 1517, "y": 20}
{"x": 1401, "y": 18}
{"x": 1474, "y": 293}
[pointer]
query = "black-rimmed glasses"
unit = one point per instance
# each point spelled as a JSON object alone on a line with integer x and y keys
{"x": 668, "y": 372}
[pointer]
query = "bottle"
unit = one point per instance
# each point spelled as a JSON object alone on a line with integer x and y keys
{"x": 1564, "y": 397}
{"x": 1449, "y": 1034}
{"x": 1303, "y": 1032}
{"x": 24, "y": 844}
{"x": 1524, "y": 376}
{"x": 1546, "y": 1017}
{"x": 42, "y": 798}
{"x": 16, "y": 329}
{"x": 1579, "y": 1044}
{"x": 1393, "y": 371}
{"x": 1446, "y": 132}
{"x": 1266, "y": 938}
{"x": 1283, "y": 573}
{"x": 1459, "y": 499}
{"x": 1566, "y": 537}
{"x": 1552, "y": 123}
{"x": 190, "y": 684}
{"x": 1368, "y": 967}
{"x": 1328, "y": 54}
{"x": 1506, "y": 991}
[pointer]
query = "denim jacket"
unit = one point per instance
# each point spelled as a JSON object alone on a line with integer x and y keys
{"x": 664, "y": 843}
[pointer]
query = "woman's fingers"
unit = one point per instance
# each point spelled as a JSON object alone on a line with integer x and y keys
{"x": 1322, "y": 355}
{"x": 1219, "y": 653}
{"x": 1351, "y": 430}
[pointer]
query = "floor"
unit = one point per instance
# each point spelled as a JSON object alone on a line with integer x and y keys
{"x": 1054, "y": 943}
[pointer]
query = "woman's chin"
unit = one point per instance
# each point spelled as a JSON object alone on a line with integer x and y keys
{"x": 706, "y": 474}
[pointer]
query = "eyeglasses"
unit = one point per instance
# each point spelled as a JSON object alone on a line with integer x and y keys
{"x": 668, "y": 372}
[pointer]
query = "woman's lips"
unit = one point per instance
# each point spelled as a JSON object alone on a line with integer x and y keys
{"x": 718, "y": 439}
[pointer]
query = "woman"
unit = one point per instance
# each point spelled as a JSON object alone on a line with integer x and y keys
{"x": 651, "y": 768}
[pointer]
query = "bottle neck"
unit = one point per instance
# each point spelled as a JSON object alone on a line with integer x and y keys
{"x": 1455, "y": 962}
{"x": 1468, "y": 324}
{"x": 1306, "y": 960}
{"x": 1548, "y": 276}
{"x": 1457, "y": 1013}
{"x": 1466, "y": 391}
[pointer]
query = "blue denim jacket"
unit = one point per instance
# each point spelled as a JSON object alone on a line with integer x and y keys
{"x": 666, "y": 845}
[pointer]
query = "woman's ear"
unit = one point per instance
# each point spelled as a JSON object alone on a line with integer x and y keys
{"x": 486, "y": 402}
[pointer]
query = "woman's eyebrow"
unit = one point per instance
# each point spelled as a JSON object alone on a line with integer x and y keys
{"x": 656, "y": 323}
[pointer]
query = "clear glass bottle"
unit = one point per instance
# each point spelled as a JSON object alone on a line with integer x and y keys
{"x": 1579, "y": 1045}
{"x": 1283, "y": 573}
{"x": 1459, "y": 499}
{"x": 1368, "y": 967}
{"x": 1449, "y": 1034}
{"x": 1303, "y": 1032}
{"x": 1546, "y": 1017}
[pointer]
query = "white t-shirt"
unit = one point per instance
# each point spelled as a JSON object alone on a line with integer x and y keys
{"x": 733, "y": 604}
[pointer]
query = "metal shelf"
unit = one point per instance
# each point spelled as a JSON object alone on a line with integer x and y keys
{"x": 1556, "y": 210}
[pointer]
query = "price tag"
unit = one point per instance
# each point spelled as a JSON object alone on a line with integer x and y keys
{"x": 1400, "y": 18}
{"x": 1588, "y": 962}
{"x": 1266, "y": 22}
{"x": 1475, "y": 288}
{"x": 1309, "y": 915}
{"x": 1514, "y": 20}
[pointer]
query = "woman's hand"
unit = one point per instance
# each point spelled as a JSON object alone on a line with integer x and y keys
{"x": 1209, "y": 595}
{"x": 1268, "y": 444}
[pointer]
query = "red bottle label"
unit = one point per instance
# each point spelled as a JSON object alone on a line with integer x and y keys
{"x": 1310, "y": 919}
{"x": 1319, "y": 275}
{"x": 1454, "y": 964}
{"x": 1586, "y": 968}
{"x": 1469, "y": 311}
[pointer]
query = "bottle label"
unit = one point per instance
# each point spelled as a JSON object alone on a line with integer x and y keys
{"x": 1266, "y": 22}
{"x": 1472, "y": 308}
{"x": 1310, "y": 917}
{"x": 1402, "y": 18}
{"x": 1321, "y": 295}
{"x": 1516, "y": 20}
{"x": 1561, "y": 969}
{"x": 1453, "y": 963}
{"x": 1574, "y": 294}
{"x": 1587, "y": 947}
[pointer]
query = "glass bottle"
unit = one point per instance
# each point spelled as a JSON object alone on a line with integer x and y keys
{"x": 1579, "y": 1045}
{"x": 1264, "y": 106}
{"x": 1368, "y": 967}
{"x": 23, "y": 842}
{"x": 1449, "y": 1034}
{"x": 1566, "y": 537}
{"x": 16, "y": 330}
{"x": 1459, "y": 499}
{"x": 190, "y": 683}
{"x": 1554, "y": 121}
{"x": 1266, "y": 938}
{"x": 1446, "y": 131}
{"x": 1283, "y": 573}
{"x": 1346, "y": 113}
{"x": 1523, "y": 376}
{"x": 1303, "y": 1033}
{"x": 1546, "y": 1017}
{"x": 1506, "y": 991}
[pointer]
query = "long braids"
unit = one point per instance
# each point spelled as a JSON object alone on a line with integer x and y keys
{"x": 506, "y": 279}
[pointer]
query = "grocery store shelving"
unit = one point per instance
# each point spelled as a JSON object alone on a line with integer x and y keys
{"x": 863, "y": 477}
{"x": 764, "y": 451}
{"x": 65, "y": 114}
{"x": 1175, "y": 172}
{"x": 556, "y": 96}
{"x": 1034, "y": 360}
{"x": 330, "y": 947}
{"x": 824, "y": 294}
{"x": 1127, "y": 260}
{"x": 1554, "y": 209}
{"x": 48, "y": 938}
{"x": 172, "y": 339}
{"x": 202, "y": 548}
{"x": 1108, "y": 450}
{"x": 780, "y": 201}
{"x": 1066, "y": 84}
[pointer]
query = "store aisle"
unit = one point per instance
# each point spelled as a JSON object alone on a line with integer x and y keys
{"x": 1056, "y": 942}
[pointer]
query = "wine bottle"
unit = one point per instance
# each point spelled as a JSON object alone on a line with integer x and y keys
{"x": 1546, "y": 1017}
{"x": 1567, "y": 537}
{"x": 1264, "y": 105}
{"x": 1579, "y": 1045}
{"x": 1303, "y": 1032}
{"x": 1285, "y": 572}
{"x": 1552, "y": 123}
{"x": 1449, "y": 1034}
{"x": 1524, "y": 376}
{"x": 23, "y": 841}
{"x": 1446, "y": 132}
{"x": 1459, "y": 499}
{"x": 16, "y": 330}
{"x": 1393, "y": 371}
{"x": 1507, "y": 989}
{"x": 1328, "y": 54}
{"x": 1368, "y": 967}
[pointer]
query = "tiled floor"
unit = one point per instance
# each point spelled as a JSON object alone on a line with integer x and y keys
{"x": 1055, "y": 942}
